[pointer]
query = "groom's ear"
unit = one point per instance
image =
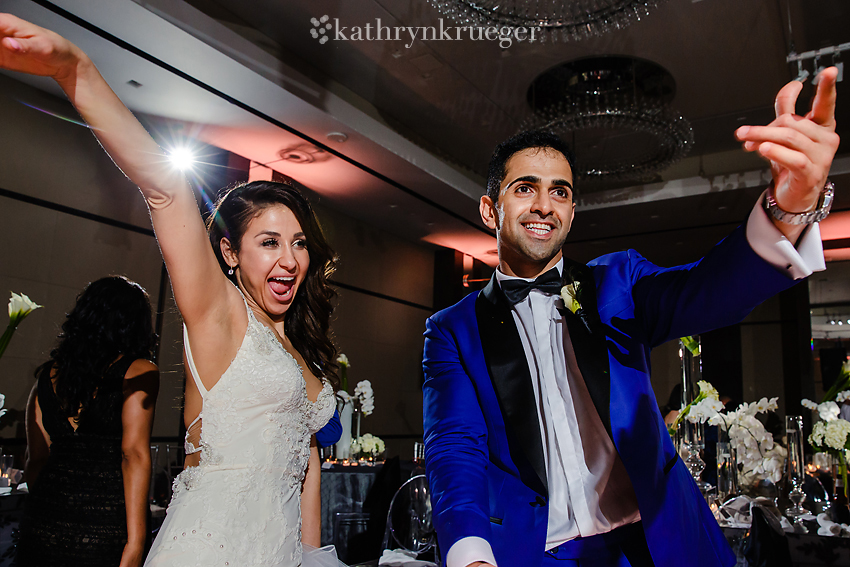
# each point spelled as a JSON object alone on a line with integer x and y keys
{"x": 489, "y": 215}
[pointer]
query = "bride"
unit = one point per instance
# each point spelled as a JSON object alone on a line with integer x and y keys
{"x": 256, "y": 308}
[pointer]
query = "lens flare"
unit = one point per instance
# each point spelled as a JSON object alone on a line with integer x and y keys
{"x": 182, "y": 158}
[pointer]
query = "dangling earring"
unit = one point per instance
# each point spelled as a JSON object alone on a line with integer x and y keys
{"x": 230, "y": 271}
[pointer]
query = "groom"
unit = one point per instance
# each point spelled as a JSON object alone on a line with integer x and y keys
{"x": 544, "y": 443}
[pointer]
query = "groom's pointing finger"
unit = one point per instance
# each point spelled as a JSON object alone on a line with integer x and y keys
{"x": 823, "y": 107}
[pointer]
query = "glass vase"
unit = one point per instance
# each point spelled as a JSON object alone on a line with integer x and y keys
{"x": 795, "y": 472}
{"x": 355, "y": 421}
{"x": 840, "y": 509}
{"x": 343, "y": 446}
{"x": 727, "y": 469}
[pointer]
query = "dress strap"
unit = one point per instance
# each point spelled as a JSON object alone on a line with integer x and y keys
{"x": 191, "y": 362}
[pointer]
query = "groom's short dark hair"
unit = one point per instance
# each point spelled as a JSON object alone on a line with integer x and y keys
{"x": 529, "y": 139}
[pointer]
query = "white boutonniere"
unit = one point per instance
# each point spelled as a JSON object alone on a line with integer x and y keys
{"x": 569, "y": 293}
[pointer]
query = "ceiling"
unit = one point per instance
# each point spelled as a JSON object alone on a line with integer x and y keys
{"x": 421, "y": 117}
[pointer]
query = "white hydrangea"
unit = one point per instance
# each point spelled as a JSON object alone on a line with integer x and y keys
{"x": 836, "y": 434}
{"x": 364, "y": 394}
{"x": 830, "y": 434}
{"x": 368, "y": 444}
{"x": 816, "y": 436}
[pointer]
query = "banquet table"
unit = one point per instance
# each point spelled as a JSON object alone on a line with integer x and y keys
{"x": 355, "y": 502}
{"x": 807, "y": 550}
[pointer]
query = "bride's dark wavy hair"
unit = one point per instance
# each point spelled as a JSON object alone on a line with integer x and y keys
{"x": 307, "y": 320}
{"x": 112, "y": 317}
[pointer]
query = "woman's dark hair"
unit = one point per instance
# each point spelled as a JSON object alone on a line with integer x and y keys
{"x": 112, "y": 317}
{"x": 524, "y": 140}
{"x": 307, "y": 320}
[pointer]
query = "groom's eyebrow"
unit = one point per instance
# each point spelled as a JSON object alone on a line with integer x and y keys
{"x": 524, "y": 179}
{"x": 563, "y": 182}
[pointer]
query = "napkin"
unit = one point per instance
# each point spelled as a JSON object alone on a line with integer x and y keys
{"x": 401, "y": 557}
{"x": 829, "y": 528}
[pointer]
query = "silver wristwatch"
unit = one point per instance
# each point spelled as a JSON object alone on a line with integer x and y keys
{"x": 827, "y": 195}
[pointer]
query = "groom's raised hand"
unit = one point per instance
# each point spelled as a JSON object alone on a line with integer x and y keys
{"x": 800, "y": 149}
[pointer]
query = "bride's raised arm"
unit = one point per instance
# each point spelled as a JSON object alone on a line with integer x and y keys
{"x": 200, "y": 288}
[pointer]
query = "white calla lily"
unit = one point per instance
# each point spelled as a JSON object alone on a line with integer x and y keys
{"x": 21, "y": 305}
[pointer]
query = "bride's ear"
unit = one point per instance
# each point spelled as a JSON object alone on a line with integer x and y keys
{"x": 228, "y": 253}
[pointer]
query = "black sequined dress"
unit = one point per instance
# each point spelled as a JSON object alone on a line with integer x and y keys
{"x": 75, "y": 512}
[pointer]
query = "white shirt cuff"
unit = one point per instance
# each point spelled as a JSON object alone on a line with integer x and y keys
{"x": 768, "y": 242}
{"x": 469, "y": 550}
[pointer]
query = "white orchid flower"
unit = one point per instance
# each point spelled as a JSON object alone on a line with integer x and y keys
{"x": 342, "y": 360}
{"x": 829, "y": 411}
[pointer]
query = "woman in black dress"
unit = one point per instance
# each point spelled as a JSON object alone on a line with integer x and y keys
{"x": 89, "y": 421}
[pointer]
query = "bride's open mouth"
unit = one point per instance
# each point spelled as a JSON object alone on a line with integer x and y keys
{"x": 282, "y": 287}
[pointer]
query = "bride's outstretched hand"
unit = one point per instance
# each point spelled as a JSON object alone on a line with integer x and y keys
{"x": 30, "y": 49}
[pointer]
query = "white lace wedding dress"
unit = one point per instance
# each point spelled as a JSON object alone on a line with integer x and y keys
{"x": 241, "y": 506}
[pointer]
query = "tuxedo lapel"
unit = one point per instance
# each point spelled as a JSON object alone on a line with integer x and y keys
{"x": 587, "y": 334}
{"x": 508, "y": 367}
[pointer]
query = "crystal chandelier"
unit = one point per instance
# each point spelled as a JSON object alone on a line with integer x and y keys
{"x": 559, "y": 19}
{"x": 615, "y": 113}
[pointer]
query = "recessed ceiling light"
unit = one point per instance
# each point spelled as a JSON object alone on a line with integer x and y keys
{"x": 338, "y": 137}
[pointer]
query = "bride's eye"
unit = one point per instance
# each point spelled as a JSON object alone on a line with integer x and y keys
{"x": 270, "y": 242}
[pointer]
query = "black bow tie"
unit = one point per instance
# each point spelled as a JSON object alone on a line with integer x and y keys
{"x": 516, "y": 290}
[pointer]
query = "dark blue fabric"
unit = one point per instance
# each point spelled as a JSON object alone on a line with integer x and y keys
{"x": 475, "y": 475}
{"x": 330, "y": 433}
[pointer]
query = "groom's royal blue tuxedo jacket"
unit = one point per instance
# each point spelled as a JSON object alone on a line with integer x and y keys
{"x": 483, "y": 448}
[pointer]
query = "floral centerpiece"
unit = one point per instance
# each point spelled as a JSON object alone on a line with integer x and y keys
{"x": 832, "y": 434}
{"x": 367, "y": 446}
{"x": 351, "y": 408}
{"x": 758, "y": 455}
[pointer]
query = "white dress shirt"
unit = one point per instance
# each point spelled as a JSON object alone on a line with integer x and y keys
{"x": 589, "y": 489}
